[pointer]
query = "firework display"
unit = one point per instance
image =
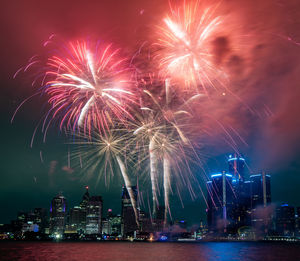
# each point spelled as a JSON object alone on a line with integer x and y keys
{"x": 119, "y": 122}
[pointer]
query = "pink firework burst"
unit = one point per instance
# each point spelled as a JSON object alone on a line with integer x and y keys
{"x": 89, "y": 87}
{"x": 185, "y": 45}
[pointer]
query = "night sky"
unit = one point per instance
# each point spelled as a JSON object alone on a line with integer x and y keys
{"x": 261, "y": 56}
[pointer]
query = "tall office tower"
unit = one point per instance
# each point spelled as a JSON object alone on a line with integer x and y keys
{"x": 57, "y": 215}
{"x": 114, "y": 226}
{"x": 94, "y": 215}
{"x": 242, "y": 197}
{"x": 285, "y": 220}
{"x": 245, "y": 204}
{"x": 40, "y": 215}
{"x": 220, "y": 199}
{"x": 83, "y": 207}
{"x": 260, "y": 190}
{"x": 261, "y": 213}
{"x": 77, "y": 219}
{"x": 114, "y": 223}
{"x": 85, "y": 198}
{"x": 236, "y": 167}
{"x": 129, "y": 225}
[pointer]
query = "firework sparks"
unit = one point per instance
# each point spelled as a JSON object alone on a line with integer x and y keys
{"x": 102, "y": 153}
{"x": 185, "y": 39}
{"x": 161, "y": 128}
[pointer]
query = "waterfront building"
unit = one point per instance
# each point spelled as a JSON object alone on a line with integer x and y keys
{"x": 260, "y": 190}
{"x": 40, "y": 219}
{"x": 241, "y": 189}
{"x": 285, "y": 220}
{"x": 58, "y": 215}
{"x": 77, "y": 220}
{"x": 94, "y": 215}
{"x": 261, "y": 214}
{"x": 220, "y": 199}
{"x": 129, "y": 224}
{"x": 115, "y": 222}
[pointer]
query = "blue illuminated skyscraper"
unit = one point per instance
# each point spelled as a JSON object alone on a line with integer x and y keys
{"x": 220, "y": 199}
{"x": 236, "y": 167}
{"x": 242, "y": 192}
{"x": 260, "y": 190}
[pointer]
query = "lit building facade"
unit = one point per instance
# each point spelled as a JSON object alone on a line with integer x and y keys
{"x": 77, "y": 220}
{"x": 260, "y": 190}
{"x": 58, "y": 215}
{"x": 94, "y": 215}
{"x": 220, "y": 199}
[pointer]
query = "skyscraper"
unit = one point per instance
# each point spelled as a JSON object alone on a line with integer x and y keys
{"x": 114, "y": 223}
{"x": 77, "y": 219}
{"x": 40, "y": 218}
{"x": 220, "y": 196}
{"x": 241, "y": 211}
{"x": 285, "y": 220}
{"x": 94, "y": 215}
{"x": 85, "y": 199}
{"x": 129, "y": 224}
{"x": 236, "y": 168}
{"x": 57, "y": 215}
{"x": 260, "y": 190}
{"x": 261, "y": 213}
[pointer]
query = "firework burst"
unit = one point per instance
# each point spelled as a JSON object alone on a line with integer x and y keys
{"x": 88, "y": 86}
{"x": 102, "y": 153}
{"x": 185, "y": 46}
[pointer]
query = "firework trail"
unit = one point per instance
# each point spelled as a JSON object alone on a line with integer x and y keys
{"x": 185, "y": 45}
{"x": 147, "y": 132}
{"x": 167, "y": 185}
{"x": 162, "y": 128}
{"x": 128, "y": 187}
{"x": 153, "y": 173}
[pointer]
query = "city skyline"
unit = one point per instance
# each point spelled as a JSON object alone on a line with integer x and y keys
{"x": 238, "y": 208}
{"x": 201, "y": 211}
{"x": 111, "y": 199}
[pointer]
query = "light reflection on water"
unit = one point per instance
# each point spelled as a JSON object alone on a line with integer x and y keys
{"x": 148, "y": 251}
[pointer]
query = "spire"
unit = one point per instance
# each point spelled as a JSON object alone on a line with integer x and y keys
{"x": 86, "y": 195}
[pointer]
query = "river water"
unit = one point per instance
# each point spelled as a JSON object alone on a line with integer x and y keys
{"x": 139, "y": 251}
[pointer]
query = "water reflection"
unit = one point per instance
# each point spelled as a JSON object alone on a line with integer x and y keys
{"x": 148, "y": 251}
